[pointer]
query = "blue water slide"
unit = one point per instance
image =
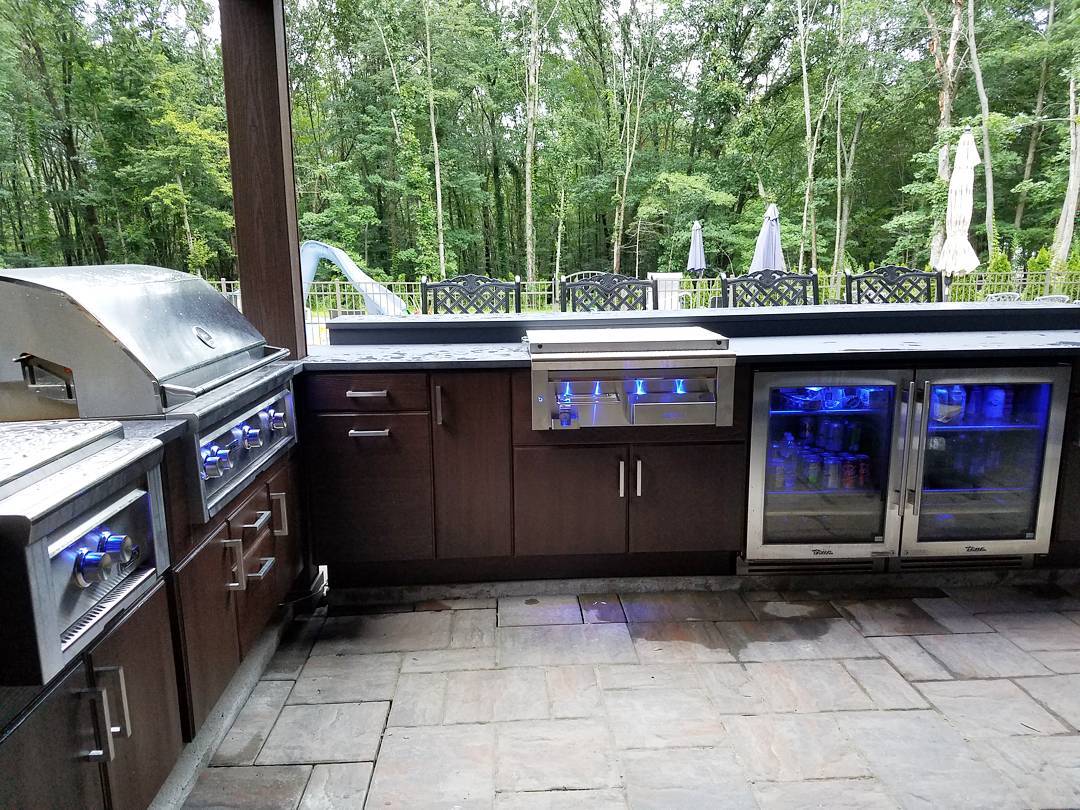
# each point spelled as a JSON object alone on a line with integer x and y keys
{"x": 377, "y": 299}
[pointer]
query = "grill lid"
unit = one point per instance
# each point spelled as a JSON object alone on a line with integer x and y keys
{"x": 171, "y": 323}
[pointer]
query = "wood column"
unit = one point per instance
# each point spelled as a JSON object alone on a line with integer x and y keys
{"x": 260, "y": 154}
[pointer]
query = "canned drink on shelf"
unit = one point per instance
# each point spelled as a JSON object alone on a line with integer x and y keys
{"x": 864, "y": 471}
{"x": 806, "y": 431}
{"x": 834, "y": 436}
{"x": 849, "y": 471}
{"x": 830, "y": 472}
{"x": 812, "y": 470}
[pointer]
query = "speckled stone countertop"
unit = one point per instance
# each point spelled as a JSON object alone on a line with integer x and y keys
{"x": 29, "y": 446}
{"x": 164, "y": 430}
{"x": 387, "y": 357}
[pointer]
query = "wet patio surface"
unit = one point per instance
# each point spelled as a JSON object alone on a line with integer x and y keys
{"x": 962, "y": 697}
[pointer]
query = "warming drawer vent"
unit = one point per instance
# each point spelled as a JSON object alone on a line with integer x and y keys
{"x": 989, "y": 563}
{"x": 107, "y": 603}
{"x": 769, "y": 567}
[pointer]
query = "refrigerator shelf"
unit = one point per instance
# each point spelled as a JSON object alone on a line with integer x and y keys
{"x": 882, "y": 411}
{"x": 823, "y": 502}
{"x": 946, "y": 428}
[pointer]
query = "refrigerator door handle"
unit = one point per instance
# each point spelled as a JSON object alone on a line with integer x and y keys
{"x": 905, "y": 460}
{"x": 924, "y": 425}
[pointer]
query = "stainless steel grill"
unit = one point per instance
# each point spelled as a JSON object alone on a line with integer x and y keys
{"x": 586, "y": 378}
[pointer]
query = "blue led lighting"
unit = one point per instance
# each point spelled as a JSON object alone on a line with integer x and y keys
{"x": 639, "y": 387}
{"x": 566, "y": 389}
{"x": 596, "y": 389}
{"x": 680, "y": 386}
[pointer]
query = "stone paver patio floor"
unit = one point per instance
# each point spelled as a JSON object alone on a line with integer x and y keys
{"x": 960, "y": 698}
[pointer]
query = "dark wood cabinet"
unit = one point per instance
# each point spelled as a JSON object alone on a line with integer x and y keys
{"x": 133, "y": 664}
{"x": 366, "y": 393}
{"x": 472, "y": 464}
{"x": 259, "y": 595}
{"x": 570, "y": 500}
{"x": 43, "y": 761}
{"x": 206, "y": 613}
{"x": 370, "y": 480}
{"x": 284, "y": 486}
{"x": 687, "y": 497}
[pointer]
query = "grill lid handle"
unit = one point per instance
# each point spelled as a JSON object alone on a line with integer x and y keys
{"x": 186, "y": 391}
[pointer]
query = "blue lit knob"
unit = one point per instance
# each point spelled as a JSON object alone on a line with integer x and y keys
{"x": 212, "y": 464}
{"x": 277, "y": 420}
{"x": 225, "y": 455}
{"x": 251, "y": 437}
{"x": 118, "y": 546}
{"x": 92, "y": 567}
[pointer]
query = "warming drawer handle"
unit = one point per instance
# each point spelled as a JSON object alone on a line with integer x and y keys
{"x": 281, "y": 499}
{"x": 236, "y": 546}
{"x": 266, "y": 567}
{"x": 369, "y": 434}
{"x": 99, "y": 700}
{"x": 383, "y": 394}
{"x": 124, "y": 729}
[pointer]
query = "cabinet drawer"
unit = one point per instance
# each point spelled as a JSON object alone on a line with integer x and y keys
{"x": 252, "y": 519}
{"x": 367, "y": 393}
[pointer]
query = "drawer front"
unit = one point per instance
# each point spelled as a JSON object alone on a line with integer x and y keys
{"x": 367, "y": 393}
{"x": 256, "y": 602}
{"x": 253, "y": 518}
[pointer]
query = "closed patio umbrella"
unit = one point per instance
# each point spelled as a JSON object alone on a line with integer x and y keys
{"x": 957, "y": 257}
{"x": 695, "y": 262}
{"x": 767, "y": 252}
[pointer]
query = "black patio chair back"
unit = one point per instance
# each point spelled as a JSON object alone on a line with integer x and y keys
{"x": 892, "y": 284}
{"x": 769, "y": 288}
{"x": 608, "y": 292}
{"x": 470, "y": 294}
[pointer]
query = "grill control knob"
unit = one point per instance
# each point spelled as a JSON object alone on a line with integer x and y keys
{"x": 118, "y": 546}
{"x": 212, "y": 464}
{"x": 92, "y": 567}
{"x": 225, "y": 454}
{"x": 251, "y": 437}
{"x": 277, "y": 420}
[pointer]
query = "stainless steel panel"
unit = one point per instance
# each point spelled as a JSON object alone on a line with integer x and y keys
{"x": 634, "y": 340}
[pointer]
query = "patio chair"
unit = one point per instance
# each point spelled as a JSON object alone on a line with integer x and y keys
{"x": 1002, "y": 297}
{"x": 608, "y": 292}
{"x": 892, "y": 284}
{"x": 769, "y": 288}
{"x": 470, "y": 295}
{"x": 1052, "y": 299}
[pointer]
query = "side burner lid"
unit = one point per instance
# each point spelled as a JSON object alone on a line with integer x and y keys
{"x": 625, "y": 339}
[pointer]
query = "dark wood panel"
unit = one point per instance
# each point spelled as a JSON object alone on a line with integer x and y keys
{"x": 472, "y": 464}
{"x": 567, "y": 500}
{"x": 692, "y": 497}
{"x": 330, "y": 392}
{"x": 41, "y": 760}
{"x": 370, "y": 497}
{"x": 142, "y": 650}
{"x": 257, "y": 602}
{"x": 284, "y": 486}
{"x": 1065, "y": 537}
{"x": 250, "y": 516}
{"x": 524, "y": 435}
{"x": 177, "y": 506}
{"x": 256, "y": 84}
{"x": 206, "y": 614}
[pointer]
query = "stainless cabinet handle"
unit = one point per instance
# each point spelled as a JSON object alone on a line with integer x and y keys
{"x": 99, "y": 701}
{"x": 124, "y": 728}
{"x": 369, "y": 434}
{"x": 638, "y": 482}
{"x": 383, "y": 394}
{"x": 924, "y": 427}
{"x": 281, "y": 499}
{"x": 438, "y": 405}
{"x": 266, "y": 567}
{"x": 905, "y": 460}
{"x": 236, "y": 546}
{"x": 622, "y": 478}
{"x": 261, "y": 519}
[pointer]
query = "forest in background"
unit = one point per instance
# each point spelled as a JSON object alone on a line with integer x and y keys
{"x": 525, "y": 137}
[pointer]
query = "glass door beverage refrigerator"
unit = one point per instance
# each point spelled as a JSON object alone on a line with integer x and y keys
{"x": 827, "y": 451}
{"x": 983, "y": 467}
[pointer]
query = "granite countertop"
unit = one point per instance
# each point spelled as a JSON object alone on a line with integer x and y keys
{"x": 164, "y": 430}
{"x": 412, "y": 355}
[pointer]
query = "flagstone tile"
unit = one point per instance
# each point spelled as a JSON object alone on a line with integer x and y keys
{"x": 981, "y": 655}
{"x": 670, "y": 642}
{"x": 910, "y": 660}
{"x": 520, "y": 611}
{"x": 456, "y": 604}
{"x": 252, "y": 726}
{"x": 990, "y": 708}
{"x": 1038, "y": 597}
{"x": 1036, "y": 631}
{"x": 884, "y": 684}
{"x": 472, "y": 628}
{"x": 659, "y": 718}
{"x": 347, "y": 678}
{"x": 448, "y": 660}
{"x": 1045, "y": 770}
{"x": 731, "y": 689}
{"x": 1059, "y": 693}
{"x": 684, "y": 606}
{"x": 793, "y": 610}
{"x": 685, "y": 779}
{"x": 573, "y": 691}
{"x": 793, "y": 748}
{"x": 555, "y": 755}
{"x": 649, "y": 676}
{"x": 829, "y": 794}
{"x": 795, "y": 639}
{"x": 391, "y": 632}
{"x": 330, "y": 732}
{"x": 808, "y": 686}
{"x": 601, "y": 608}
{"x": 277, "y": 787}
{"x": 496, "y": 694}
{"x": 1061, "y": 662}
{"x": 338, "y": 786}
{"x": 953, "y": 616}
{"x": 292, "y": 652}
{"x": 889, "y": 617}
{"x": 420, "y": 699}
{"x": 564, "y": 644}
{"x": 609, "y": 799}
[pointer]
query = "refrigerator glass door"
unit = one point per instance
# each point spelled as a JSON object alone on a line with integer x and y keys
{"x": 826, "y": 454}
{"x": 985, "y": 473}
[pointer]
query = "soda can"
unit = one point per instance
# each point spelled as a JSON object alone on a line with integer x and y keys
{"x": 830, "y": 472}
{"x": 834, "y": 438}
{"x": 812, "y": 470}
{"x": 806, "y": 431}
{"x": 864, "y": 471}
{"x": 849, "y": 472}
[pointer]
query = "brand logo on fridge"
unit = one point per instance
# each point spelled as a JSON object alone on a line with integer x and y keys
{"x": 974, "y": 548}
{"x": 821, "y": 552}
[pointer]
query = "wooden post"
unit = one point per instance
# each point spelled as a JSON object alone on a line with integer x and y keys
{"x": 260, "y": 153}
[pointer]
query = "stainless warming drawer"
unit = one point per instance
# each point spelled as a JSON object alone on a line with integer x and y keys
{"x": 586, "y": 378}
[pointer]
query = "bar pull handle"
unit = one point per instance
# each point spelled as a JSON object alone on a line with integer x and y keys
{"x": 124, "y": 729}
{"x": 924, "y": 427}
{"x": 438, "y": 405}
{"x": 640, "y": 465}
{"x": 622, "y": 478}
{"x": 264, "y": 569}
{"x": 905, "y": 461}
{"x": 383, "y": 394}
{"x": 261, "y": 519}
{"x": 369, "y": 434}
{"x": 99, "y": 701}
{"x": 281, "y": 499}
{"x": 236, "y": 546}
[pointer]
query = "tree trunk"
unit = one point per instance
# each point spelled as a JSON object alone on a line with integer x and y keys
{"x": 947, "y": 71}
{"x": 845, "y": 207}
{"x": 532, "y": 91}
{"x": 1063, "y": 233}
{"x": 559, "y": 232}
{"x": 803, "y": 34}
{"x": 1036, "y": 128}
{"x": 434, "y": 144}
{"x": 187, "y": 222}
{"x": 988, "y": 170}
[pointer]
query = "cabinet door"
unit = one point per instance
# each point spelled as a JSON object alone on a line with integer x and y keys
{"x": 43, "y": 761}
{"x": 687, "y": 497}
{"x": 471, "y": 442}
{"x": 258, "y": 597}
{"x": 134, "y": 664}
{"x": 370, "y": 487}
{"x": 207, "y": 621}
{"x": 570, "y": 500}
{"x": 285, "y": 506}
